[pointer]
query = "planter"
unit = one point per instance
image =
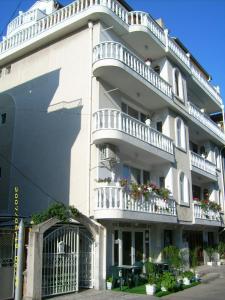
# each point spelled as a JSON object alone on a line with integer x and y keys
{"x": 219, "y": 263}
{"x": 197, "y": 277}
{"x": 163, "y": 289}
{"x": 209, "y": 263}
{"x": 108, "y": 285}
{"x": 186, "y": 281}
{"x": 150, "y": 289}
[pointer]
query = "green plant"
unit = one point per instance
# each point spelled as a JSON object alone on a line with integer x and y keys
{"x": 209, "y": 251}
{"x": 109, "y": 279}
{"x": 151, "y": 279}
{"x": 56, "y": 209}
{"x": 168, "y": 281}
{"x": 221, "y": 249}
{"x": 194, "y": 258}
{"x": 173, "y": 257}
{"x": 188, "y": 274}
{"x": 107, "y": 179}
{"x": 149, "y": 267}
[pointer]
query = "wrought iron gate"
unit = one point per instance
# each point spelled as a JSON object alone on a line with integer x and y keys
{"x": 67, "y": 260}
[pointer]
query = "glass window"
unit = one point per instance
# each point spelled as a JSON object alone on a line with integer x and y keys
{"x": 126, "y": 247}
{"x": 139, "y": 240}
{"x": 206, "y": 194}
{"x": 176, "y": 79}
{"x": 124, "y": 108}
{"x": 126, "y": 172}
{"x": 159, "y": 126}
{"x": 179, "y": 132}
{"x": 168, "y": 238}
{"x": 162, "y": 182}
{"x": 196, "y": 191}
{"x": 132, "y": 112}
{"x": 135, "y": 175}
{"x": 143, "y": 118}
{"x": 146, "y": 177}
{"x": 3, "y": 118}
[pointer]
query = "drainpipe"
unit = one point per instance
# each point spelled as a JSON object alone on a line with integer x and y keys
{"x": 90, "y": 26}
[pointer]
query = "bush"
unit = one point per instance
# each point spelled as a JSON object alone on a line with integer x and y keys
{"x": 168, "y": 281}
{"x": 172, "y": 256}
{"x": 221, "y": 249}
{"x": 209, "y": 251}
{"x": 188, "y": 274}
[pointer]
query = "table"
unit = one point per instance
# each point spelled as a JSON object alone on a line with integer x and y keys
{"x": 127, "y": 272}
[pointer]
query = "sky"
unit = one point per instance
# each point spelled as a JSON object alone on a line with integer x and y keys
{"x": 199, "y": 24}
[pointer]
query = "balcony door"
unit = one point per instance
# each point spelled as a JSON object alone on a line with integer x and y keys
{"x": 130, "y": 246}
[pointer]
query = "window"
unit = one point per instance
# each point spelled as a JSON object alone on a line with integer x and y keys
{"x": 180, "y": 134}
{"x": 3, "y": 118}
{"x": 168, "y": 238}
{"x": 183, "y": 188}
{"x": 196, "y": 190}
{"x": 177, "y": 83}
{"x": 0, "y": 172}
{"x": 161, "y": 182}
{"x": 136, "y": 175}
{"x": 159, "y": 126}
{"x": 194, "y": 147}
{"x": 133, "y": 112}
{"x": 157, "y": 69}
{"x": 206, "y": 194}
{"x": 116, "y": 248}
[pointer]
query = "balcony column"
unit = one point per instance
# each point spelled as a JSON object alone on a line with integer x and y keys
{"x": 166, "y": 33}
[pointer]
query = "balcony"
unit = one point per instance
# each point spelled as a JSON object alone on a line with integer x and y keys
{"x": 204, "y": 121}
{"x": 116, "y": 64}
{"x": 208, "y": 217}
{"x": 203, "y": 167}
{"x": 114, "y": 203}
{"x": 114, "y": 125}
{"x": 77, "y": 14}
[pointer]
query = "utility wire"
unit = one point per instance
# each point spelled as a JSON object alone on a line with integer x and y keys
{"x": 13, "y": 14}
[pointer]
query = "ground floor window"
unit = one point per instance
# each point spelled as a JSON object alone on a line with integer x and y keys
{"x": 130, "y": 246}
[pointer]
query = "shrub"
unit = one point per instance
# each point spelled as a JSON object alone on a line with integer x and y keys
{"x": 168, "y": 281}
{"x": 221, "y": 249}
{"x": 172, "y": 256}
{"x": 188, "y": 274}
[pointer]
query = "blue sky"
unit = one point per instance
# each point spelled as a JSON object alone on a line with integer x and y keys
{"x": 199, "y": 24}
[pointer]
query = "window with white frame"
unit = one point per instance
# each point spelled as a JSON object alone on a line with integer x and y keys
{"x": 133, "y": 112}
{"x": 180, "y": 133}
{"x": 178, "y": 84}
{"x": 183, "y": 188}
{"x": 136, "y": 175}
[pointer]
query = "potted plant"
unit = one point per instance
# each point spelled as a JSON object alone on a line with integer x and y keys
{"x": 187, "y": 277}
{"x": 168, "y": 282}
{"x": 221, "y": 252}
{"x": 210, "y": 251}
{"x": 109, "y": 281}
{"x": 151, "y": 285}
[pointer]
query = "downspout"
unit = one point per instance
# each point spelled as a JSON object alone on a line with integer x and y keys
{"x": 90, "y": 26}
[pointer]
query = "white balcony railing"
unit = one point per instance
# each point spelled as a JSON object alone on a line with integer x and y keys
{"x": 176, "y": 49}
{"x": 203, "y": 164}
{"x": 113, "y": 50}
{"x": 206, "y": 85}
{"x": 209, "y": 214}
{"x": 205, "y": 120}
{"x": 143, "y": 18}
{"x": 115, "y": 119}
{"x": 115, "y": 198}
{"x": 129, "y": 18}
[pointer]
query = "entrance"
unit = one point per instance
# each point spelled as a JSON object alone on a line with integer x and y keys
{"x": 195, "y": 241}
{"x": 67, "y": 260}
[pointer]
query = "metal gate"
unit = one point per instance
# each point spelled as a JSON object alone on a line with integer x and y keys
{"x": 67, "y": 260}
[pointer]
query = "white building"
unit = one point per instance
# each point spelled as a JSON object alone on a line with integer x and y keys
{"x": 93, "y": 91}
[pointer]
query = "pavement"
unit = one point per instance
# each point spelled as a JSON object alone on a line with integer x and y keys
{"x": 212, "y": 288}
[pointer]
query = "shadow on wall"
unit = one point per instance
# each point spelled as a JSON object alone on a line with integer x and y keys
{"x": 43, "y": 138}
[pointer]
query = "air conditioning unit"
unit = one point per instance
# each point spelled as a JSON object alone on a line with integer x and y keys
{"x": 108, "y": 152}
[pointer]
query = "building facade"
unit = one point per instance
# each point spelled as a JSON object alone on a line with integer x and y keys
{"x": 103, "y": 110}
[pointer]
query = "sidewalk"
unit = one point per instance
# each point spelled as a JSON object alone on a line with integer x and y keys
{"x": 212, "y": 288}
